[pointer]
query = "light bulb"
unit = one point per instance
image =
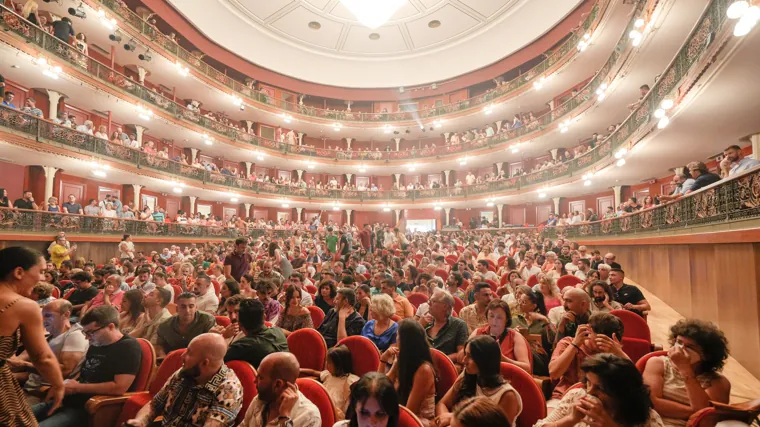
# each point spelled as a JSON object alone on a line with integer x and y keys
{"x": 621, "y": 162}
{"x": 737, "y": 9}
{"x": 663, "y": 123}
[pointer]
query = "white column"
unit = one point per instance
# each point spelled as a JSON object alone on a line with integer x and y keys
{"x": 499, "y": 207}
{"x": 194, "y": 154}
{"x": 299, "y": 173}
{"x": 300, "y": 138}
{"x": 448, "y": 214}
{"x": 298, "y": 211}
{"x": 447, "y": 136}
{"x": 139, "y": 130}
{"x": 247, "y": 209}
{"x": 141, "y": 73}
{"x": 49, "y": 178}
{"x": 248, "y": 125}
{"x": 138, "y": 187}
{"x": 618, "y": 195}
{"x": 499, "y": 123}
{"x": 398, "y": 179}
{"x": 248, "y": 166}
{"x": 348, "y": 217}
{"x": 398, "y": 143}
{"x": 54, "y": 97}
{"x": 554, "y": 152}
{"x": 398, "y": 214}
{"x": 551, "y": 105}
{"x": 556, "y": 205}
{"x": 446, "y": 178}
{"x": 348, "y": 178}
{"x": 755, "y": 146}
{"x": 348, "y": 143}
{"x": 499, "y": 166}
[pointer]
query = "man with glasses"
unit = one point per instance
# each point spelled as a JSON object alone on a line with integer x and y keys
{"x": 110, "y": 366}
{"x": 445, "y": 332}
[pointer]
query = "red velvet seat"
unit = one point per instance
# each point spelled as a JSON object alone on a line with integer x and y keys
{"x": 534, "y": 404}
{"x": 636, "y": 348}
{"x": 445, "y": 370}
{"x": 501, "y": 261}
{"x": 317, "y": 394}
{"x": 364, "y": 354}
{"x": 443, "y": 274}
{"x": 406, "y": 418}
{"x": 131, "y": 279}
{"x": 641, "y": 364}
{"x": 223, "y": 321}
{"x": 396, "y": 318}
{"x": 417, "y": 299}
{"x": 635, "y": 326}
{"x": 177, "y": 292}
{"x": 69, "y": 292}
{"x": 317, "y": 315}
{"x": 311, "y": 289}
{"x": 105, "y": 410}
{"x": 56, "y": 293}
{"x": 532, "y": 280}
{"x": 567, "y": 280}
{"x": 217, "y": 287}
{"x": 247, "y": 376}
{"x": 309, "y": 347}
{"x": 458, "y": 304}
{"x": 491, "y": 265}
{"x": 451, "y": 259}
{"x": 494, "y": 286}
{"x": 504, "y": 279}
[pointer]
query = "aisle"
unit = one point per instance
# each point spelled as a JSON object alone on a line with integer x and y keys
{"x": 744, "y": 386}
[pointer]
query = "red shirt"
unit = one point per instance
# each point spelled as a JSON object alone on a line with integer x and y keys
{"x": 364, "y": 237}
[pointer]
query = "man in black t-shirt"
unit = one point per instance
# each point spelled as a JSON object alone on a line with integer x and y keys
{"x": 84, "y": 290}
{"x": 109, "y": 368}
{"x": 26, "y": 202}
{"x": 629, "y": 296}
{"x": 341, "y": 321}
{"x": 344, "y": 248}
{"x": 72, "y": 206}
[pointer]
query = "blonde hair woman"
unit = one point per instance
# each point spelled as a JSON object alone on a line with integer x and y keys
{"x": 30, "y": 12}
{"x": 550, "y": 291}
{"x": 381, "y": 329}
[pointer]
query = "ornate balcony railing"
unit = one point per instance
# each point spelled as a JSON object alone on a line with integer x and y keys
{"x": 253, "y": 96}
{"x": 585, "y": 98}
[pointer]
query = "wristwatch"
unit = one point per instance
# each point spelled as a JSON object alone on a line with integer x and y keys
{"x": 283, "y": 421}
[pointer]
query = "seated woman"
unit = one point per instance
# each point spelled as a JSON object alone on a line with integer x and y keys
{"x": 688, "y": 378}
{"x": 409, "y": 365}
{"x": 363, "y": 301}
{"x": 613, "y": 394}
{"x": 229, "y": 288}
{"x": 374, "y": 402}
{"x": 550, "y": 291}
{"x": 132, "y": 310}
{"x": 381, "y": 330}
{"x": 246, "y": 286}
{"x": 481, "y": 377}
{"x": 294, "y": 316}
{"x": 514, "y": 349}
{"x": 325, "y": 294}
{"x": 533, "y": 321}
{"x": 602, "y": 298}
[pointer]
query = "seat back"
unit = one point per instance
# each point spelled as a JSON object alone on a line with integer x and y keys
{"x": 458, "y": 304}
{"x": 223, "y": 321}
{"x": 131, "y": 279}
{"x": 311, "y": 289}
{"x": 69, "y": 292}
{"x": 364, "y": 354}
{"x": 396, "y": 318}
{"x": 247, "y": 376}
{"x": 567, "y": 280}
{"x": 532, "y": 280}
{"x": 636, "y": 348}
{"x": 451, "y": 259}
{"x": 491, "y": 265}
{"x": 170, "y": 365}
{"x": 417, "y": 299}
{"x": 147, "y": 365}
{"x": 443, "y": 274}
{"x": 534, "y": 404}
{"x": 309, "y": 347}
{"x": 635, "y": 326}
{"x": 502, "y": 260}
{"x": 177, "y": 292}
{"x": 406, "y": 418}
{"x": 317, "y": 394}
{"x": 217, "y": 287}
{"x": 494, "y": 286}
{"x": 171, "y": 308}
{"x": 317, "y": 315}
{"x": 445, "y": 370}
{"x": 521, "y": 337}
{"x": 56, "y": 293}
{"x": 641, "y": 364}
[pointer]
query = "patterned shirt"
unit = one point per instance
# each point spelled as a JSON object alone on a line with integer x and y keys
{"x": 470, "y": 315}
{"x": 183, "y": 403}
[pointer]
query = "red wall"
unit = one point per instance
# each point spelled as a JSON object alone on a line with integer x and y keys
{"x": 12, "y": 179}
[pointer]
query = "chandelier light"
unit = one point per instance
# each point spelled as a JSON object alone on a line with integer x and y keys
{"x": 373, "y": 13}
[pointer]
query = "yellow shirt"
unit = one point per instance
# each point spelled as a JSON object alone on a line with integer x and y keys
{"x": 58, "y": 255}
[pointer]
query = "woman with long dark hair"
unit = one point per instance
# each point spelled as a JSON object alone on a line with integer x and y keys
{"x": 481, "y": 377}
{"x": 280, "y": 259}
{"x": 374, "y": 403}
{"x": 4, "y": 202}
{"x": 614, "y": 393}
{"x": 410, "y": 367}
{"x": 533, "y": 318}
{"x": 131, "y": 310}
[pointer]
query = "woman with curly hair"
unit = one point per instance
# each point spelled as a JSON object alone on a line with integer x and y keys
{"x": 688, "y": 378}
{"x": 613, "y": 394}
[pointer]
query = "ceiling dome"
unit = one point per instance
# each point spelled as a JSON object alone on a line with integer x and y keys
{"x": 424, "y": 41}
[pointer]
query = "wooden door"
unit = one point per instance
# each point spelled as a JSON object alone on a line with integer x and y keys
{"x": 261, "y": 214}
{"x": 542, "y": 213}
{"x": 228, "y": 213}
{"x": 517, "y": 216}
{"x": 204, "y": 210}
{"x": 641, "y": 195}
{"x": 102, "y": 191}
{"x": 602, "y": 203}
{"x": 78, "y": 190}
{"x": 150, "y": 201}
{"x": 172, "y": 207}
{"x": 577, "y": 206}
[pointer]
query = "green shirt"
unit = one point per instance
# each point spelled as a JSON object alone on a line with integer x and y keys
{"x": 171, "y": 338}
{"x": 253, "y": 348}
{"x": 332, "y": 243}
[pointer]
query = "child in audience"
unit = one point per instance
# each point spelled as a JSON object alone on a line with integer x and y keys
{"x": 337, "y": 377}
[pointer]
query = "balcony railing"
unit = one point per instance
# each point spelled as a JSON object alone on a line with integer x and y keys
{"x": 585, "y": 98}
{"x": 253, "y": 96}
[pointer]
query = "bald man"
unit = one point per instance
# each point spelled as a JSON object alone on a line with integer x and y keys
{"x": 577, "y": 305}
{"x": 279, "y": 403}
{"x": 204, "y": 392}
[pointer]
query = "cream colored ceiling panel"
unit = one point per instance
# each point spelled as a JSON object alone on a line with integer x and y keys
{"x": 296, "y": 25}
{"x": 390, "y": 40}
{"x": 319, "y": 4}
{"x": 263, "y": 9}
{"x": 453, "y": 22}
{"x": 488, "y": 7}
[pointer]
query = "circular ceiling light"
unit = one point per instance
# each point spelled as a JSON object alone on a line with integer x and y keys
{"x": 434, "y": 23}
{"x": 374, "y": 36}
{"x": 314, "y": 25}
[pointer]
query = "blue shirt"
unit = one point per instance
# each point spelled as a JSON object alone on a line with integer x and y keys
{"x": 9, "y": 104}
{"x": 384, "y": 340}
{"x": 743, "y": 165}
{"x": 158, "y": 217}
{"x": 704, "y": 180}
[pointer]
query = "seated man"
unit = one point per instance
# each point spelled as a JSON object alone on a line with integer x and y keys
{"x": 629, "y": 296}
{"x": 231, "y": 332}
{"x": 110, "y": 366}
{"x": 475, "y": 314}
{"x": 83, "y": 292}
{"x": 602, "y": 334}
{"x": 213, "y": 388}
{"x": 155, "y": 313}
{"x": 279, "y": 403}
{"x": 67, "y": 342}
{"x": 342, "y": 320}
{"x": 206, "y": 295}
{"x": 161, "y": 282}
{"x": 404, "y": 308}
{"x": 577, "y": 305}
{"x": 142, "y": 281}
{"x": 177, "y": 331}
{"x": 111, "y": 295}
{"x": 259, "y": 339}
{"x": 445, "y": 332}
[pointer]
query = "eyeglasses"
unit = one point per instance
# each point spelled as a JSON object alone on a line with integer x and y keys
{"x": 92, "y": 332}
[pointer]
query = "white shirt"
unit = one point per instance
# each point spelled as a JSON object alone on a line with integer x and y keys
{"x": 72, "y": 340}
{"x": 303, "y": 414}
{"x": 208, "y": 302}
{"x": 526, "y": 272}
{"x": 580, "y": 274}
{"x": 570, "y": 267}
{"x": 83, "y": 128}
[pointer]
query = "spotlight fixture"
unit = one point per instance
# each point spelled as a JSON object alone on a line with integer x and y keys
{"x": 587, "y": 176}
{"x": 437, "y": 123}
{"x": 620, "y": 153}
{"x": 388, "y": 129}
{"x": 337, "y": 126}
{"x": 115, "y": 37}
{"x": 747, "y": 22}
{"x": 636, "y": 36}
{"x": 422, "y": 127}
{"x": 99, "y": 173}
{"x": 587, "y": 182}
{"x": 463, "y": 161}
{"x": 234, "y": 200}
{"x": 236, "y": 100}
{"x": 488, "y": 109}
{"x": 412, "y": 167}
{"x": 79, "y": 12}
{"x": 737, "y": 9}
{"x": 144, "y": 113}
{"x": 287, "y": 118}
{"x": 515, "y": 149}
{"x": 663, "y": 123}
{"x": 564, "y": 126}
{"x": 285, "y": 205}
{"x": 145, "y": 56}
{"x": 131, "y": 46}
{"x": 489, "y": 204}
{"x": 386, "y": 208}
{"x": 620, "y": 163}
{"x": 659, "y": 113}
{"x": 259, "y": 156}
{"x": 181, "y": 69}
{"x": 539, "y": 83}
{"x": 639, "y": 23}
{"x": 437, "y": 207}
{"x": 667, "y": 104}
{"x": 177, "y": 190}
{"x": 542, "y": 195}
{"x": 242, "y": 107}
{"x": 335, "y": 208}
{"x": 401, "y": 89}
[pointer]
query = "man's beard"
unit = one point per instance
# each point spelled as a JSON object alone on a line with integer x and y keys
{"x": 191, "y": 373}
{"x": 265, "y": 394}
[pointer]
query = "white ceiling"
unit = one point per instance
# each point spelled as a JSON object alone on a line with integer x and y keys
{"x": 275, "y": 34}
